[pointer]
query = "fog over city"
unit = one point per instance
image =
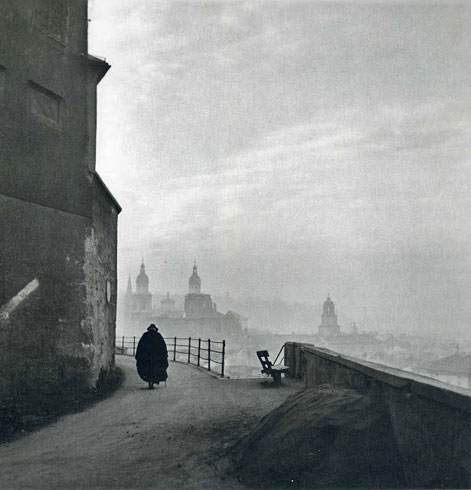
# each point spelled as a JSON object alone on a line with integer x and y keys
{"x": 294, "y": 149}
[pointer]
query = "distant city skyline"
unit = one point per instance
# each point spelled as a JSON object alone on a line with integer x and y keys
{"x": 294, "y": 148}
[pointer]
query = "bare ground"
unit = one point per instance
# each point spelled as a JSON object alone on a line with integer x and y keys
{"x": 167, "y": 438}
{"x": 29, "y": 411}
{"x": 343, "y": 439}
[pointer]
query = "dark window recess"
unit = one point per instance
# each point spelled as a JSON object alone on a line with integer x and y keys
{"x": 52, "y": 21}
{"x": 108, "y": 291}
{"x": 45, "y": 106}
{"x": 3, "y": 85}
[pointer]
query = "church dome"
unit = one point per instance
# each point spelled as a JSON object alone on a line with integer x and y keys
{"x": 195, "y": 282}
{"x": 142, "y": 280}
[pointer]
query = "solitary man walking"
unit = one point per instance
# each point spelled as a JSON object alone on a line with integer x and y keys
{"x": 152, "y": 357}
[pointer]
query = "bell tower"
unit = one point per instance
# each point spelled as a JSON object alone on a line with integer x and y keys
{"x": 142, "y": 297}
{"x": 329, "y": 325}
{"x": 194, "y": 284}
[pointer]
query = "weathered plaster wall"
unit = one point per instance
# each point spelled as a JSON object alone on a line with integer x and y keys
{"x": 57, "y": 219}
{"x": 63, "y": 331}
{"x": 431, "y": 420}
{"x": 46, "y": 245}
{"x": 100, "y": 269}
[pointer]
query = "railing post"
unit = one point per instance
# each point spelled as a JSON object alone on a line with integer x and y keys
{"x": 223, "y": 356}
{"x": 134, "y": 346}
{"x": 122, "y": 345}
{"x": 174, "y": 348}
{"x": 199, "y": 350}
{"x": 189, "y": 349}
{"x": 209, "y": 354}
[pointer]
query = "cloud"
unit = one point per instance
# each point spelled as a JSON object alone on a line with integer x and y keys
{"x": 314, "y": 140}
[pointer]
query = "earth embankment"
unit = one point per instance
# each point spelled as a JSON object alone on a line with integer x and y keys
{"x": 323, "y": 437}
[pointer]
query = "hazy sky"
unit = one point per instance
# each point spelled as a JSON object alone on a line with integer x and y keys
{"x": 294, "y": 148}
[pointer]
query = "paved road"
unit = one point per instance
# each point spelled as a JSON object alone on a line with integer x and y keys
{"x": 165, "y": 438}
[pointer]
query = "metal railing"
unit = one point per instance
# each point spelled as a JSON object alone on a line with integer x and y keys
{"x": 283, "y": 357}
{"x": 200, "y": 352}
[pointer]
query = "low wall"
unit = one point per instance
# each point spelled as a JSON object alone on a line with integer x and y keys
{"x": 431, "y": 420}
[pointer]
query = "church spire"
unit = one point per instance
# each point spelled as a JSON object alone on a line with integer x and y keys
{"x": 129, "y": 287}
{"x": 195, "y": 282}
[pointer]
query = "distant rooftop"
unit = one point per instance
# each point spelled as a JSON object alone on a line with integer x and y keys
{"x": 455, "y": 364}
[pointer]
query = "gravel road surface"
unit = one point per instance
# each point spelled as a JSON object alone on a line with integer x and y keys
{"x": 167, "y": 438}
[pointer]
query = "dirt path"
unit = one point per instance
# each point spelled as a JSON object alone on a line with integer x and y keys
{"x": 143, "y": 439}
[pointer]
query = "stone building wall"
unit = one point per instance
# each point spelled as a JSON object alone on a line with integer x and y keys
{"x": 35, "y": 249}
{"x": 57, "y": 219}
{"x": 101, "y": 279}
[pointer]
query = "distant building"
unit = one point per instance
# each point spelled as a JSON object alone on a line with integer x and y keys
{"x": 329, "y": 326}
{"x": 199, "y": 317}
{"x": 58, "y": 220}
{"x": 243, "y": 320}
{"x": 455, "y": 370}
{"x": 329, "y": 335}
{"x": 194, "y": 283}
{"x": 139, "y": 311}
{"x": 168, "y": 309}
{"x": 199, "y": 305}
{"x": 141, "y": 300}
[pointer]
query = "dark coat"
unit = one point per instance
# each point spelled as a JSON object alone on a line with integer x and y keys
{"x": 151, "y": 357}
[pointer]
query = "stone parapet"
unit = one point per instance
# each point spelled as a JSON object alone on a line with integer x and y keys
{"x": 431, "y": 419}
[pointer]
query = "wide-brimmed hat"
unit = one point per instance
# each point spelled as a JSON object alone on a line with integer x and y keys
{"x": 152, "y": 327}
